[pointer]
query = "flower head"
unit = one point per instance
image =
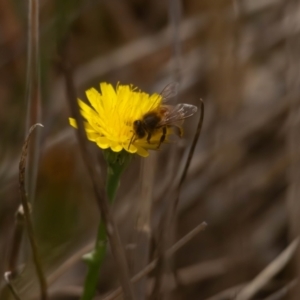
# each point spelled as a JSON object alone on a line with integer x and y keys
{"x": 110, "y": 121}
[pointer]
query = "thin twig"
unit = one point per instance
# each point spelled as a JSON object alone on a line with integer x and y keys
{"x": 229, "y": 293}
{"x": 28, "y": 223}
{"x": 169, "y": 253}
{"x": 169, "y": 221}
{"x": 184, "y": 240}
{"x": 283, "y": 292}
{"x": 268, "y": 273}
{"x": 98, "y": 186}
{"x": 11, "y": 287}
{"x": 191, "y": 154}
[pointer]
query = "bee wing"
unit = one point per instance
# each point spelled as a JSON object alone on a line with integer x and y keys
{"x": 169, "y": 91}
{"x": 177, "y": 113}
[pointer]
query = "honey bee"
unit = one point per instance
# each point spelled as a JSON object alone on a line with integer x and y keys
{"x": 164, "y": 117}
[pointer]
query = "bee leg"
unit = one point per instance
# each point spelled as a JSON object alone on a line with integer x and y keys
{"x": 131, "y": 141}
{"x": 177, "y": 130}
{"x": 149, "y": 137}
{"x": 180, "y": 132}
{"x": 163, "y": 136}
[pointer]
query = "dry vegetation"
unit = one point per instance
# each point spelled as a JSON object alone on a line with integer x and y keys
{"x": 242, "y": 58}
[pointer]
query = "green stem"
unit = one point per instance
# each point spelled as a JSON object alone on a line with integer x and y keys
{"x": 116, "y": 165}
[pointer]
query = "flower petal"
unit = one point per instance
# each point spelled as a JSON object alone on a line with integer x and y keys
{"x": 131, "y": 149}
{"x": 92, "y": 136}
{"x": 73, "y": 122}
{"x": 95, "y": 99}
{"x": 103, "y": 142}
{"x": 142, "y": 152}
{"x": 87, "y": 126}
{"x": 116, "y": 147}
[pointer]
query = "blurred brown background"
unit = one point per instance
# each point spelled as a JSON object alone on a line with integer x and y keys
{"x": 242, "y": 58}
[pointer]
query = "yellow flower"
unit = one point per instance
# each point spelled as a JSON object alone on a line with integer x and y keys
{"x": 109, "y": 122}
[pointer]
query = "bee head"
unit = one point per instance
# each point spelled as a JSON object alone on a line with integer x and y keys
{"x": 137, "y": 124}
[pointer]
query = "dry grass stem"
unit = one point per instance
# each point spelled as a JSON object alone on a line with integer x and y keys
{"x": 27, "y": 218}
{"x": 143, "y": 235}
{"x": 101, "y": 198}
{"x": 283, "y": 292}
{"x": 229, "y": 293}
{"x": 268, "y": 273}
{"x": 33, "y": 94}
